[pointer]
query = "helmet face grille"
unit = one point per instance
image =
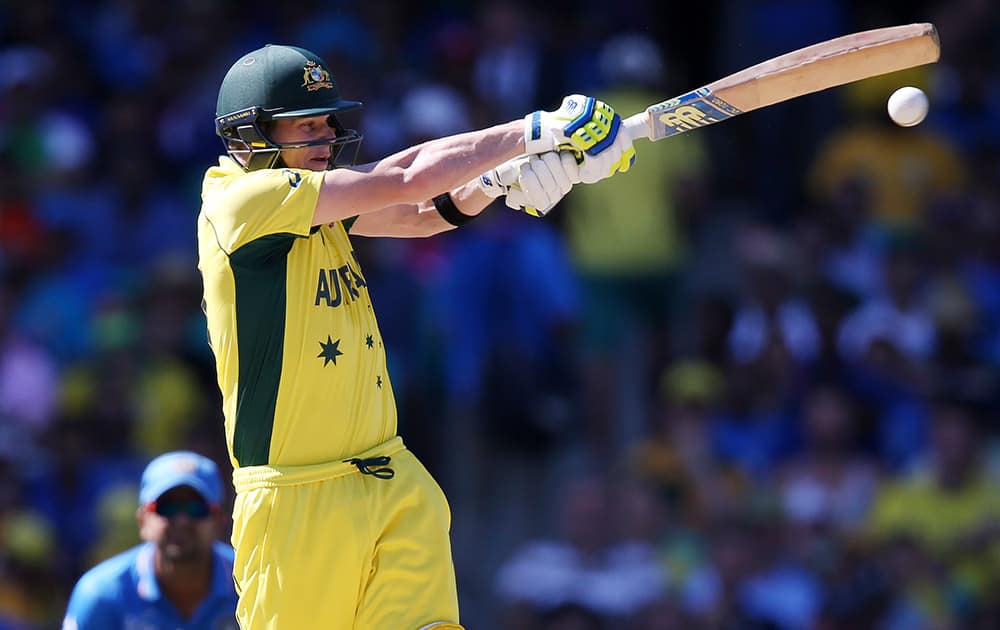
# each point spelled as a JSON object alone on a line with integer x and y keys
{"x": 248, "y": 145}
{"x": 251, "y": 146}
{"x": 345, "y": 153}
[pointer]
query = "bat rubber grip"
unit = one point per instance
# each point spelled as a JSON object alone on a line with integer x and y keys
{"x": 637, "y": 126}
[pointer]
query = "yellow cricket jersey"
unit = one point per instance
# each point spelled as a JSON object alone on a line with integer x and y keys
{"x": 298, "y": 352}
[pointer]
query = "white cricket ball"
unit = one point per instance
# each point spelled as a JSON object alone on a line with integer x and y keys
{"x": 908, "y": 106}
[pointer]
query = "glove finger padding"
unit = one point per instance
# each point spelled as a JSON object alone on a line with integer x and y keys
{"x": 595, "y": 168}
{"x": 581, "y": 123}
{"x": 598, "y": 132}
{"x": 550, "y": 190}
{"x": 554, "y": 164}
{"x": 618, "y": 158}
{"x": 518, "y": 200}
{"x": 571, "y": 165}
{"x": 542, "y": 182}
{"x": 535, "y": 185}
{"x": 531, "y": 193}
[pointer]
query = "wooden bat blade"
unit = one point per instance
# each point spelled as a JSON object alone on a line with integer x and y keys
{"x": 811, "y": 69}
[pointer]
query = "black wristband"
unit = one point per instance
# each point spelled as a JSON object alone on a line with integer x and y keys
{"x": 446, "y": 207}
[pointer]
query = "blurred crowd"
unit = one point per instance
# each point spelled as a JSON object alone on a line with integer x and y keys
{"x": 751, "y": 384}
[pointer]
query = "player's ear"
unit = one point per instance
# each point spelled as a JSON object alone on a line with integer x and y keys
{"x": 142, "y": 516}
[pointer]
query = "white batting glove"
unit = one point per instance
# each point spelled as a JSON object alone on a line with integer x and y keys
{"x": 617, "y": 159}
{"x": 582, "y": 123}
{"x": 532, "y": 184}
{"x": 581, "y": 168}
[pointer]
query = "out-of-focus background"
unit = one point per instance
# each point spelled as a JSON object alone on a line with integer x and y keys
{"x": 752, "y": 384}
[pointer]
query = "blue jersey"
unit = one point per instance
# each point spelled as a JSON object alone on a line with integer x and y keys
{"x": 122, "y": 592}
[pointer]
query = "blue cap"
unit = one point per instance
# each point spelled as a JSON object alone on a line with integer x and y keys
{"x": 180, "y": 468}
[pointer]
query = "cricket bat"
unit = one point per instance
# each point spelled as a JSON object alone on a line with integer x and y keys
{"x": 811, "y": 69}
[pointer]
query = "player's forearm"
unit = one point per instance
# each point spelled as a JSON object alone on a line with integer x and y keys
{"x": 449, "y": 163}
{"x": 422, "y": 219}
{"x": 417, "y": 174}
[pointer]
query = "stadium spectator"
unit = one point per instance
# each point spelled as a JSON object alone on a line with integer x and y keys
{"x": 948, "y": 513}
{"x": 586, "y": 566}
{"x": 181, "y": 576}
{"x": 831, "y": 482}
{"x": 629, "y": 261}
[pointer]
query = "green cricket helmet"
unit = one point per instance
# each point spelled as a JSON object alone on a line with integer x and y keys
{"x": 272, "y": 83}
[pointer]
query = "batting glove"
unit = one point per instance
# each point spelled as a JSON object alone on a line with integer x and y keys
{"x": 617, "y": 159}
{"x": 581, "y": 123}
{"x": 533, "y": 184}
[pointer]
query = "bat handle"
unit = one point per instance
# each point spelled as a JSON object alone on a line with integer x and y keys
{"x": 637, "y": 125}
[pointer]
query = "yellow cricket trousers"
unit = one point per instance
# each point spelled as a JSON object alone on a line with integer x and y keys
{"x": 332, "y": 548}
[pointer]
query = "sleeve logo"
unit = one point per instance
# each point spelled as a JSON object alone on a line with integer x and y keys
{"x": 294, "y": 177}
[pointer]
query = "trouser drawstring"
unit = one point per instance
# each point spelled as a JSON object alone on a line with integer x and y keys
{"x": 364, "y": 466}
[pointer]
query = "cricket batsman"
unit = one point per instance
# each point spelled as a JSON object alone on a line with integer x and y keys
{"x": 336, "y": 524}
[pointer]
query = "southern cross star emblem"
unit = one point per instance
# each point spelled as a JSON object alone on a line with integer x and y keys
{"x": 330, "y": 351}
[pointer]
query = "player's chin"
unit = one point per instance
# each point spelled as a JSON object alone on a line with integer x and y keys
{"x": 178, "y": 545}
{"x": 177, "y": 550}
